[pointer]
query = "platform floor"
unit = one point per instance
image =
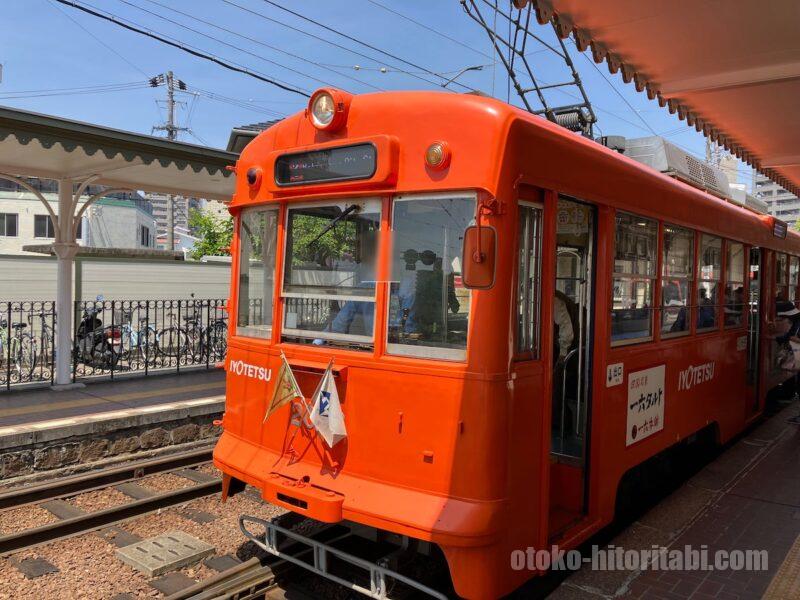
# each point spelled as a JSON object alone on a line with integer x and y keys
{"x": 746, "y": 499}
{"x": 38, "y": 406}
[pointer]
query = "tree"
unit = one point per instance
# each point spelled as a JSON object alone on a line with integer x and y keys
{"x": 213, "y": 232}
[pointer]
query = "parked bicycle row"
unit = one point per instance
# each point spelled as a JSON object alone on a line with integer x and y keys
{"x": 112, "y": 336}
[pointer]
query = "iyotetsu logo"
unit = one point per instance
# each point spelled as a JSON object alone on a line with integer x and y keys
{"x": 692, "y": 376}
{"x": 239, "y": 367}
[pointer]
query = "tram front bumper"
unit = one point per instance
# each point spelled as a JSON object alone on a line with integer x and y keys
{"x": 302, "y": 488}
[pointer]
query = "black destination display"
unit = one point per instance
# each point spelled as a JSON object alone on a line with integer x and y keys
{"x": 330, "y": 164}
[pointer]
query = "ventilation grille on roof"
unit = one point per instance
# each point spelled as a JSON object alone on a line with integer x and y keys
{"x": 663, "y": 156}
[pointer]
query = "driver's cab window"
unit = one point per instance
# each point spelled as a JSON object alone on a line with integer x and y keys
{"x": 329, "y": 273}
{"x": 428, "y": 304}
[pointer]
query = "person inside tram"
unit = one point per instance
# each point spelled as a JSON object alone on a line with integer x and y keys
{"x": 565, "y": 339}
{"x": 419, "y": 294}
{"x": 357, "y": 316}
{"x": 705, "y": 310}
{"x": 734, "y": 307}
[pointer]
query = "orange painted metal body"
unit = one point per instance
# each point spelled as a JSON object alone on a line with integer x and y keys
{"x": 458, "y": 453}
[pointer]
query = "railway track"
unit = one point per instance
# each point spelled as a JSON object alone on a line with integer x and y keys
{"x": 246, "y": 581}
{"x": 78, "y": 522}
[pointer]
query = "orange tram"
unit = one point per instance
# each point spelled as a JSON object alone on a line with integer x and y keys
{"x": 517, "y": 318}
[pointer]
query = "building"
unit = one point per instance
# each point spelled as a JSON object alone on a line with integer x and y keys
{"x": 781, "y": 204}
{"x": 183, "y": 206}
{"x": 118, "y": 221}
{"x": 184, "y": 240}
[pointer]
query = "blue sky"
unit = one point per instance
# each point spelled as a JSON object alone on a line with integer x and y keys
{"x": 49, "y": 46}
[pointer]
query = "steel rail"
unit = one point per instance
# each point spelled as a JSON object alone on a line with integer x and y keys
{"x": 255, "y": 578}
{"x": 252, "y": 582}
{"x": 86, "y": 482}
{"x": 102, "y": 518}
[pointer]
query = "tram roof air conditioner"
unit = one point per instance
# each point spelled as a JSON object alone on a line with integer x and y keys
{"x": 661, "y": 155}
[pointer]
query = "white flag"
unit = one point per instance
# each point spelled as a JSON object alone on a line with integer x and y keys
{"x": 326, "y": 414}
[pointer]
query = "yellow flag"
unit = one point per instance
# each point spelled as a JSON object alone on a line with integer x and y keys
{"x": 286, "y": 388}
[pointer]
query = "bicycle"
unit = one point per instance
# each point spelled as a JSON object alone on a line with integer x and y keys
{"x": 194, "y": 339}
{"x": 17, "y": 351}
{"x": 144, "y": 340}
{"x": 211, "y": 339}
{"x": 172, "y": 341}
{"x": 44, "y": 354}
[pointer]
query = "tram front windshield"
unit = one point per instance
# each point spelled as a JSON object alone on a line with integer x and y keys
{"x": 330, "y": 272}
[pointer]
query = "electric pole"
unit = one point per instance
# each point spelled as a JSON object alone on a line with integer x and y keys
{"x": 172, "y": 130}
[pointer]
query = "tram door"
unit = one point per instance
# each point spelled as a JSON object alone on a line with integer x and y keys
{"x": 571, "y": 359}
{"x": 754, "y": 331}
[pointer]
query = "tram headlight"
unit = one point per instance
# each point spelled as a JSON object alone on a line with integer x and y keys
{"x": 323, "y": 110}
{"x": 328, "y": 108}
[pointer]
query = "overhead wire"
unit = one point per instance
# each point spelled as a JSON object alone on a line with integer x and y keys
{"x": 97, "y": 39}
{"x": 428, "y": 28}
{"x": 234, "y": 101}
{"x": 331, "y": 43}
{"x": 229, "y": 65}
{"x": 71, "y": 91}
{"x": 249, "y": 39}
{"x": 224, "y": 43}
{"x": 364, "y": 44}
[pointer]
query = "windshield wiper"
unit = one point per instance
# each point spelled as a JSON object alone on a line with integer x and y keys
{"x": 332, "y": 224}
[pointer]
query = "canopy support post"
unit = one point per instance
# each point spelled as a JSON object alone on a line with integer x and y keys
{"x": 65, "y": 248}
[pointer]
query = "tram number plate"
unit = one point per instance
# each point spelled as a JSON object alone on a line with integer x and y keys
{"x": 615, "y": 374}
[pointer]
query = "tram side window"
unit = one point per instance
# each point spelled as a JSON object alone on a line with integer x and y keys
{"x": 258, "y": 231}
{"x": 635, "y": 255}
{"x": 781, "y": 281}
{"x": 428, "y": 305}
{"x": 528, "y": 280}
{"x": 794, "y": 277}
{"x": 709, "y": 267}
{"x": 676, "y": 282}
{"x": 734, "y": 284}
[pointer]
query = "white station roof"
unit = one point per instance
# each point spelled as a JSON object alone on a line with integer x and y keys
{"x": 37, "y": 145}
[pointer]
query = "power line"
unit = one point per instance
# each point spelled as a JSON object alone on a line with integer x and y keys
{"x": 75, "y": 92}
{"x": 360, "y": 42}
{"x": 618, "y": 93}
{"x": 234, "y": 101}
{"x": 97, "y": 39}
{"x": 184, "y": 47}
{"x": 84, "y": 87}
{"x": 428, "y": 28}
{"x": 224, "y": 43}
{"x": 323, "y": 40}
{"x": 253, "y": 40}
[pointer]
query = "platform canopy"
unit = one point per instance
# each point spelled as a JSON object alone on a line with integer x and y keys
{"x": 79, "y": 155}
{"x": 37, "y": 145}
{"x": 731, "y": 68}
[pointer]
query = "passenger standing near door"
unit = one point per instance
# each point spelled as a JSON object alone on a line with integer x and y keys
{"x": 563, "y": 322}
{"x": 563, "y": 340}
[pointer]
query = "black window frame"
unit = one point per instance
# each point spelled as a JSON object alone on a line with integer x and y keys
{"x": 49, "y": 227}
{"x": 4, "y": 219}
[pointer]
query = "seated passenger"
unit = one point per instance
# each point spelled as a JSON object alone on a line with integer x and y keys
{"x": 706, "y": 311}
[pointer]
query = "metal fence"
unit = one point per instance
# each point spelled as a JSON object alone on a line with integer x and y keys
{"x": 112, "y": 337}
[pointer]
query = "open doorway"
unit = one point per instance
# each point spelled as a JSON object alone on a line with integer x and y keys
{"x": 572, "y": 355}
